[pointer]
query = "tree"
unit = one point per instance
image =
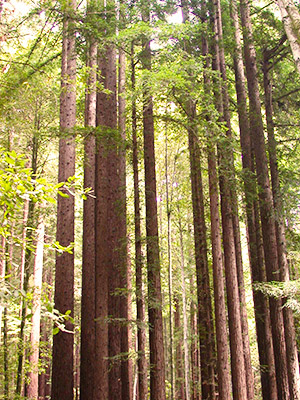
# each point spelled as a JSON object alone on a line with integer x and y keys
{"x": 62, "y": 369}
{"x": 156, "y": 344}
{"x": 266, "y": 202}
{"x": 265, "y": 347}
{"x": 88, "y": 253}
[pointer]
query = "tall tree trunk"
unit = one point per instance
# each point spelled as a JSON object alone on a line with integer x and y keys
{"x": 266, "y": 203}
{"x": 170, "y": 274}
{"x": 290, "y": 337}
{"x": 62, "y": 367}
{"x": 27, "y": 265}
{"x": 179, "y": 386}
{"x": 185, "y": 316}
{"x": 32, "y": 389}
{"x": 140, "y": 301}
{"x": 223, "y": 370}
{"x": 235, "y": 218}
{"x": 156, "y": 344}
{"x": 205, "y": 329}
{"x": 44, "y": 377}
{"x": 266, "y": 357}
{"x": 238, "y": 374}
{"x": 87, "y": 342}
{"x": 125, "y": 312}
{"x": 101, "y": 386}
{"x": 205, "y": 321}
{"x": 111, "y": 259}
{"x": 6, "y": 380}
{"x": 2, "y": 275}
{"x": 195, "y": 367}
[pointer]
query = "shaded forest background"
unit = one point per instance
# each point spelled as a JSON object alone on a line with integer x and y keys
{"x": 149, "y": 191}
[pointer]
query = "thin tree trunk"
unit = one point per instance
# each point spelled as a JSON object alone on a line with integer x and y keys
{"x": 179, "y": 392}
{"x": 266, "y": 203}
{"x": 32, "y": 388}
{"x": 157, "y": 371}
{"x": 44, "y": 377}
{"x": 2, "y": 275}
{"x": 195, "y": 367}
{"x": 62, "y": 366}
{"x": 126, "y": 366}
{"x": 185, "y": 316}
{"x": 290, "y": 337}
{"x": 219, "y": 290}
{"x": 87, "y": 342}
{"x": 170, "y": 275}
{"x": 141, "y": 330}
{"x": 6, "y": 380}
{"x": 23, "y": 251}
{"x": 28, "y": 259}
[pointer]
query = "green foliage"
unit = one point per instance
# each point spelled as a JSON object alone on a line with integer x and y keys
{"x": 289, "y": 291}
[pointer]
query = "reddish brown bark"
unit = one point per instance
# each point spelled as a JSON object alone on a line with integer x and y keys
{"x": 266, "y": 202}
{"x": 266, "y": 357}
{"x": 157, "y": 371}
{"x": 87, "y": 343}
{"x": 235, "y": 218}
{"x": 223, "y": 370}
{"x": 195, "y": 365}
{"x": 185, "y": 315}
{"x": 110, "y": 240}
{"x": 205, "y": 328}
{"x": 140, "y": 301}
{"x": 125, "y": 304}
{"x": 290, "y": 337}
{"x": 233, "y": 302}
{"x": 62, "y": 368}
{"x": 102, "y": 247}
{"x": 207, "y": 361}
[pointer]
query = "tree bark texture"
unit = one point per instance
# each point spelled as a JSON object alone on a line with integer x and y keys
{"x": 205, "y": 328}
{"x": 156, "y": 344}
{"x": 266, "y": 202}
{"x": 290, "y": 337}
{"x": 103, "y": 201}
{"x": 125, "y": 303}
{"x": 269, "y": 390}
{"x": 111, "y": 259}
{"x": 223, "y": 369}
{"x": 170, "y": 266}
{"x": 233, "y": 303}
{"x": 140, "y": 300}
{"x": 185, "y": 316}
{"x": 62, "y": 369}
{"x": 235, "y": 218}
{"x": 205, "y": 321}
{"x": 87, "y": 342}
